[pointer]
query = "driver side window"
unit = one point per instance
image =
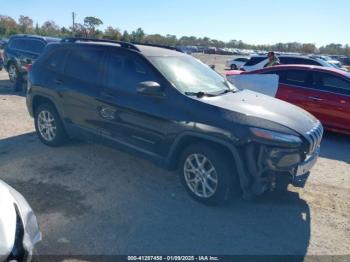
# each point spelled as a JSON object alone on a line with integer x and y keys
{"x": 124, "y": 72}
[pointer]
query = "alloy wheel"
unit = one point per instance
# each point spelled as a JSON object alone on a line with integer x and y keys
{"x": 47, "y": 125}
{"x": 200, "y": 175}
{"x": 12, "y": 73}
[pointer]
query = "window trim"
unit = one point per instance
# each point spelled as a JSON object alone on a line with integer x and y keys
{"x": 26, "y": 50}
{"x": 129, "y": 54}
{"x": 334, "y": 75}
{"x": 99, "y": 74}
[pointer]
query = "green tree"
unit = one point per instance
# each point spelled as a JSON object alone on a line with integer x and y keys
{"x": 50, "y": 28}
{"x": 126, "y": 36}
{"x": 112, "y": 33}
{"x": 8, "y": 26}
{"x": 91, "y": 23}
{"x": 137, "y": 36}
{"x": 25, "y": 24}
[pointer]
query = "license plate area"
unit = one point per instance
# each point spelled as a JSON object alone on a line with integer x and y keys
{"x": 307, "y": 165}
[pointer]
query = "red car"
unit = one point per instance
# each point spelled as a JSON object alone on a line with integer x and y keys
{"x": 324, "y": 92}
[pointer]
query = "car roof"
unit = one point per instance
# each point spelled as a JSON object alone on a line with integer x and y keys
{"x": 158, "y": 51}
{"x": 304, "y": 67}
{"x": 147, "y": 50}
{"x": 45, "y": 38}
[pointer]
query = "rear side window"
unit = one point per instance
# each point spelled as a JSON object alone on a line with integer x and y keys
{"x": 329, "y": 82}
{"x": 241, "y": 60}
{"x": 35, "y": 46}
{"x": 84, "y": 64}
{"x": 17, "y": 44}
{"x": 255, "y": 60}
{"x": 56, "y": 60}
{"x": 296, "y": 77}
{"x": 125, "y": 71}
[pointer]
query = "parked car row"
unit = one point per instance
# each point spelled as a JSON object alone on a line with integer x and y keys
{"x": 258, "y": 62}
{"x": 323, "y": 91}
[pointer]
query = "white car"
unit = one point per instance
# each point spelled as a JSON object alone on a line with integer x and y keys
{"x": 19, "y": 231}
{"x": 237, "y": 63}
{"x": 260, "y": 62}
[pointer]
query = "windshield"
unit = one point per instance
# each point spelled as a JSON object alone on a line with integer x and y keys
{"x": 190, "y": 75}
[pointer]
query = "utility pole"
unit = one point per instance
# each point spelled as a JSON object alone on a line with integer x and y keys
{"x": 73, "y": 19}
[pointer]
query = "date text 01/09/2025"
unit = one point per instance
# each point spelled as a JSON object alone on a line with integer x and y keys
{"x": 173, "y": 258}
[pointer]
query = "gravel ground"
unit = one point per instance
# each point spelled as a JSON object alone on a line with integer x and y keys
{"x": 92, "y": 200}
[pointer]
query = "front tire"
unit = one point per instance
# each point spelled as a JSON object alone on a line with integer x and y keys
{"x": 206, "y": 173}
{"x": 48, "y": 126}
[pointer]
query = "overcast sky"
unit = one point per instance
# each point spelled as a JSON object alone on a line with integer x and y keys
{"x": 253, "y": 21}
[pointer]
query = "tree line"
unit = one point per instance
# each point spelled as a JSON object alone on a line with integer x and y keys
{"x": 90, "y": 28}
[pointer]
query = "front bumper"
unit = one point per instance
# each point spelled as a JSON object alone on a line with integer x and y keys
{"x": 302, "y": 172}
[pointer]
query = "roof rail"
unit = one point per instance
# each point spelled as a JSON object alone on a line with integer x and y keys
{"x": 161, "y": 46}
{"x": 121, "y": 43}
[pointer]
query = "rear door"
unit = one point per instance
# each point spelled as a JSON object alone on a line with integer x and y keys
{"x": 333, "y": 99}
{"x": 78, "y": 86}
{"x": 294, "y": 87}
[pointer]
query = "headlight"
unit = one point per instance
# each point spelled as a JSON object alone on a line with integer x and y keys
{"x": 275, "y": 136}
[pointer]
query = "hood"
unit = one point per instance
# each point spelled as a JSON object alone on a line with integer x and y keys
{"x": 7, "y": 222}
{"x": 257, "y": 105}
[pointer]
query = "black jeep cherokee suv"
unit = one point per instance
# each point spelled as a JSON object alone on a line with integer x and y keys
{"x": 21, "y": 51}
{"x": 170, "y": 108}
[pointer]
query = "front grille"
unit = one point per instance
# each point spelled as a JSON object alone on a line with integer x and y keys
{"x": 314, "y": 136}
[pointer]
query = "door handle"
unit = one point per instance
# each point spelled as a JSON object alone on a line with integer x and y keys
{"x": 314, "y": 98}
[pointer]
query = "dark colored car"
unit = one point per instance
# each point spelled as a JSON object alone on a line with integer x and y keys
{"x": 345, "y": 60}
{"x": 172, "y": 109}
{"x": 322, "y": 91}
{"x": 21, "y": 51}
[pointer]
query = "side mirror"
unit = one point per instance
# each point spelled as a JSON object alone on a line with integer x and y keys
{"x": 150, "y": 88}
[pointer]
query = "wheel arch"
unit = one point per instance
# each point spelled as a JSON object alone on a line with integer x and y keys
{"x": 39, "y": 100}
{"x": 187, "y": 138}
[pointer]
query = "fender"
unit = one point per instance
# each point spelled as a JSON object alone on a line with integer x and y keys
{"x": 243, "y": 176}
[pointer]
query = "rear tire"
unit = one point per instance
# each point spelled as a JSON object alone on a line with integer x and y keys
{"x": 233, "y": 67}
{"x": 48, "y": 126}
{"x": 207, "y": 173}
{"x": 13, "y": 72}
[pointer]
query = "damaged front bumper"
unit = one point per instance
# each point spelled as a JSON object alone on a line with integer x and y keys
{"x": 268, "y": 166}
{"x": 302, "y": 172}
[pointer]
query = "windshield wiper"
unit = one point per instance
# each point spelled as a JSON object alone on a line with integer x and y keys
{"x": 199, "y": 94}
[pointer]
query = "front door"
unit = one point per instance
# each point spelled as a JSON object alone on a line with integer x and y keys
{"x": 126, "y": 116}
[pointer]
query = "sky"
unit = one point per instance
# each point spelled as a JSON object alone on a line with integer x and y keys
{"x": 253, "y": 21}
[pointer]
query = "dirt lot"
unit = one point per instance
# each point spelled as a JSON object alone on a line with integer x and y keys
{"x": 91, "y": 199}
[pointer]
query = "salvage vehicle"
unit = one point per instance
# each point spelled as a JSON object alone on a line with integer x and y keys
{"x": 21, "y": 51}
{"x": 172, "y": 109}
{"x": 322, "y": 91}
{"x": 19, "y": 231}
